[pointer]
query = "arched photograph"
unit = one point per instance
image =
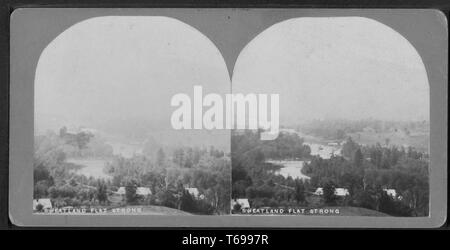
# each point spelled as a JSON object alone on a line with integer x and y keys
{"x": 354, "y": 121}
{"x": 104, "y": 142}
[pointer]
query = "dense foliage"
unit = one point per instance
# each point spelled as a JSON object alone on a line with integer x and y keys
{"x": 166, "y": 174}
{"x": 365, "y": 171}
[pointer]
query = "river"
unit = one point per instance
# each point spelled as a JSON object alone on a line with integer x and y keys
{"x": 324, "y": 151}
{"x": 290, "y": 168}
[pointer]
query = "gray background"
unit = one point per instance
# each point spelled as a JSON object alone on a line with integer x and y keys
{"x": 230, "y": 30}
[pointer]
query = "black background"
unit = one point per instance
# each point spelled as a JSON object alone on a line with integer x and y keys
{"x": 169, "y": 238}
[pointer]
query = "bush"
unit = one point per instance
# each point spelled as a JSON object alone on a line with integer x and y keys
{"x": 130, "y": 192}
{"x": 39, "y": 207}
{"x": 328, "y": 193}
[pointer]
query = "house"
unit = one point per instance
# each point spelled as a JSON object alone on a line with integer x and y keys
{"x": 337, "y": 191}
{"x": 194, "y": 192}
{"x": 392, "y": 193}
{"x": 341, "y": 192}
{"x": 243, "y": 202}
{"x": 144, "y": 191}
{"x": 45, "y": 203}
{"x": 121, "y": 191}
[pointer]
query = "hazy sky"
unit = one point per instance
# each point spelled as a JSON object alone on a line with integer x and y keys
{"x": 339, "y": 67}
{"x": 124, "y": 70}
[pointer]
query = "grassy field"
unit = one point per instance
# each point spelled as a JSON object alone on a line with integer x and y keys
{"x": 118, "y": 202}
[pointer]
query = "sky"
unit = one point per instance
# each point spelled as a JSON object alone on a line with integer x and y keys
{"x": 335, "y": 68}
{"x": 121, "y": 72}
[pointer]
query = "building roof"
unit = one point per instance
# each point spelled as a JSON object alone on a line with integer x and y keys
{"x": 341, "y": 192}
{"x": 390, "y": 192}
{"x": 121, "y": 190}
{"x": 139, "y": 191}
{"x": 46, "y": 203}
{"x": 193, "y": 191}
{"x": 337, "y": 191}
{"x": 143, "y": 191}
{"x": 243, "y": 202}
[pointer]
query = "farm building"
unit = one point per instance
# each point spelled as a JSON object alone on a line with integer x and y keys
{"x": 45, "y": 203}
{"x": 392, "y": 193}
{"x": 243, "y": 202}
{"x": 144, "y": 191}
{"x": 194, "y": 192}
{"x": 121, "y": 191}
{"x": 337, "y": 191}
{"x": 341, "y": 192}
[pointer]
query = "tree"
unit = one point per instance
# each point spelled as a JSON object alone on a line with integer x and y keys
{"x": 39, "y": 207}
{"x": 101, "y": 191}
{"x": 82, "y": 139}
{"x": 237, "y": 207}
{"x": 328, "y": 193}
{"x": 358, "y": 158}
{"x": 41, "y": 173}
{"x": 349, "y": 148}
{"x": 160, "y": 157}
{"x": 41, "y": 189}
{"x": 187, "y": 202}
{"x": 178, "y": 156}
{"x": 299, "y": 191}
{"x": 130, "y": 191}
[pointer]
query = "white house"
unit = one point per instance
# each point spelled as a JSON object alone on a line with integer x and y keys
{"x": 193, "y": 191}
{"x": 337, "y": 191}
{"x": 121, "y": 191}
{"x": 45, "y": 203}
{"x": 392, "y": 193}
{"x": 243, "y": 202}
{"x": 341, "y": 192}
{"x": 144, "y": 191}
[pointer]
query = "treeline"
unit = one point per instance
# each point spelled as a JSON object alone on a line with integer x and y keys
{"x": 165, "y": 174}
{"x": 339, "y": 129}
{"x": 81, "y": 145}
{"x": 367, "y": 171}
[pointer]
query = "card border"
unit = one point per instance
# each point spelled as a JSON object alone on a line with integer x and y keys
{"x": 408, "y": 22}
